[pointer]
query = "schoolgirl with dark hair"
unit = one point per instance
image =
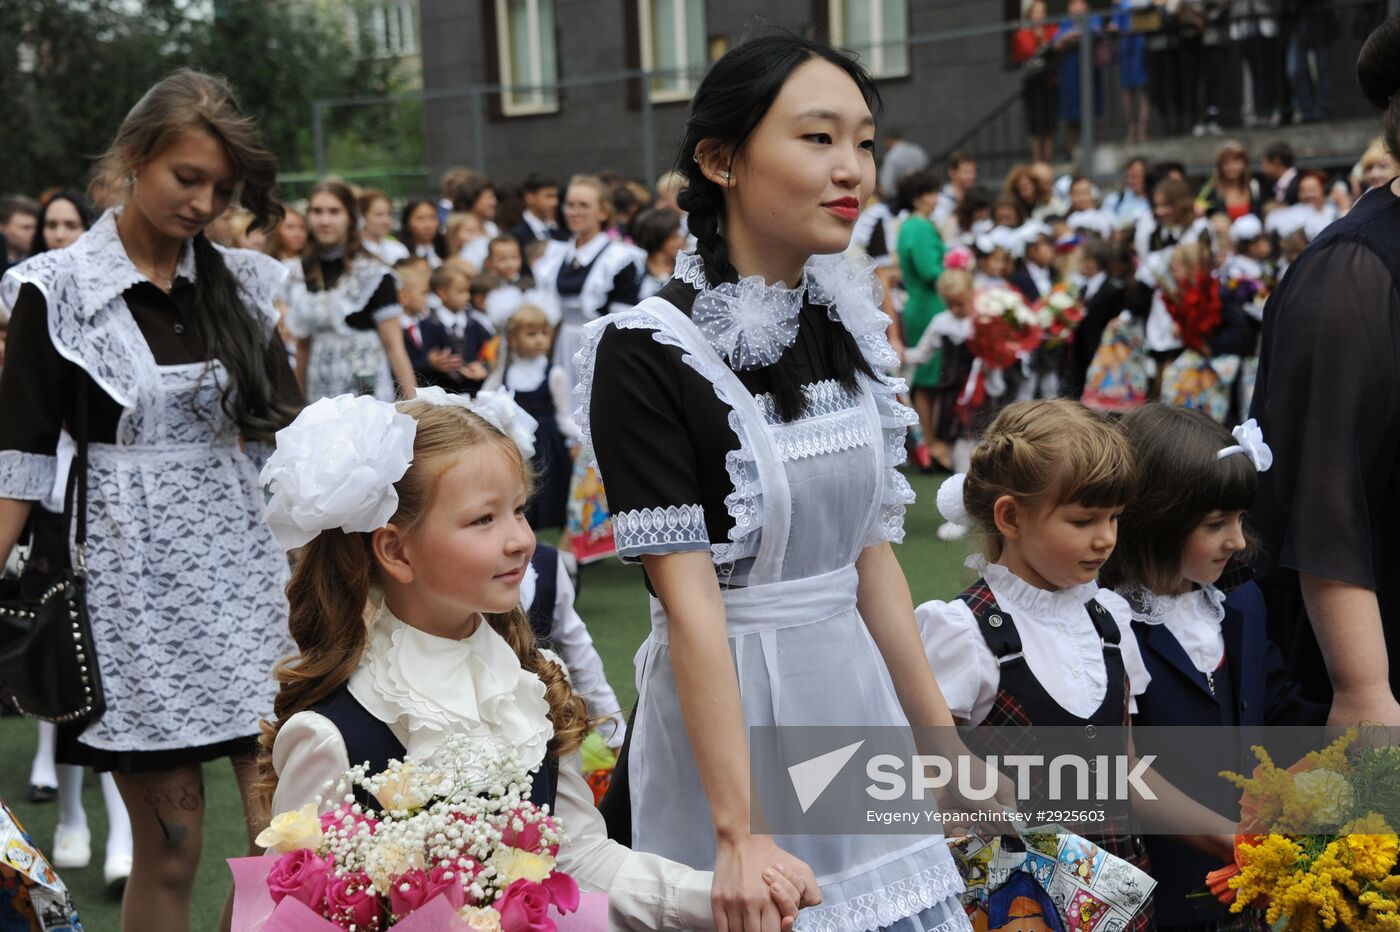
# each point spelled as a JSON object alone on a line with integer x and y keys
{"x": 167, "y": 341}
{"x": 749, "y": 442}
{"x": 344, "y": 307}
{"x": 420, "y": 231}
{"x": 1207, "y": 654}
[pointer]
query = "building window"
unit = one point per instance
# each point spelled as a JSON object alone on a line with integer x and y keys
{"x": 528, "y": 66}
{"x": 673, "y": 45}
{"x": 876, "y": 30}
{"x": 394, "y": 29}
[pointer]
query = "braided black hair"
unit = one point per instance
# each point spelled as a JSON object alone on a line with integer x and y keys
{"x": 727, "y": 107}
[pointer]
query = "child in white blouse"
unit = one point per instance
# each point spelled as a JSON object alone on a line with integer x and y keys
{"x": 420, "y": 507}
{"x": 1035, "y": 641}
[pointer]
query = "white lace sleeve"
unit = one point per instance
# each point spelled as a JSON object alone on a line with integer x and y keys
{"x": 26, "y": 476}
{"x": 261, "y": 278}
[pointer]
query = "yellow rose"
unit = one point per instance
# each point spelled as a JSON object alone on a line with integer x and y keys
{"x": 1325, "y": 794}
{"x": 402, "y": 789}
{"x": 300, "y": 828}
{"x": 386, "y": 860}
{"x": 480, "y": 918}
{"x": 514, "y": 864}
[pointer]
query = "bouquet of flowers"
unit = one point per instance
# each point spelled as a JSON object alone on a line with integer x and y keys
{"x": 1195, "y": 306}
{"x": 1294, "y": 864}
{"x": 1248, "y": 294}
{"x": 455, "y": 847}
{"x": 1062, "y": 311}
{"x": 1004, "y": 327}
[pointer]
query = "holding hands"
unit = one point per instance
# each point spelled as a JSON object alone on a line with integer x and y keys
{"x": 759, "y": 887}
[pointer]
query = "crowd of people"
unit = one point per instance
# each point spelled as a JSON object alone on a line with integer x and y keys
{"x": 1178, "y": 59}
{"x": 319, "y": 444}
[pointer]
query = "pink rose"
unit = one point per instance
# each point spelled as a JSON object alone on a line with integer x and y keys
{"x": 302, "y": 875}
{"x": 529, "y": 837}
{"x": 408, "y": 891}
{"x": 524, "y": 907}
{"x": 563, "y": 891}
{"x": 349, "y": 902}
{"x": 439, "y": 881}
{"x": 347, "y": 821}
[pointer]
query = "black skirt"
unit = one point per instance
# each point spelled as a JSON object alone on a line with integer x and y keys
{"x": 70, "y": 750}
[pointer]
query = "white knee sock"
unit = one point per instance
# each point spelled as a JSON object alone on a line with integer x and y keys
{"x": 118, "y": 822}
{"x": 70, "y": 797}
{"x": 41, "y": 772}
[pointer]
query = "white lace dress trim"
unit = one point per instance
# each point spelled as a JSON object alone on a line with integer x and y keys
{"x": 186, "y": 583}
{"x": 847, "y": 286}
{"x": 679, "y": 527}
{"x": 900, "y": 904}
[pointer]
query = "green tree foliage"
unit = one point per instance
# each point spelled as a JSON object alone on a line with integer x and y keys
{"x": 78, "y": 66}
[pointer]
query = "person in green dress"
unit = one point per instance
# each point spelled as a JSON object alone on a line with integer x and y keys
{"x": 920, "y": 249}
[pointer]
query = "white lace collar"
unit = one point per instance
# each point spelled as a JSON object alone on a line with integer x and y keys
{"x": 526, "y": 375}
{"x": 751, "y": 323}
{"x": 1193, "y": 618}
{"x": 1060, "y": 606}
{"x": 104, "y": 271}
{"x": 430, "y": 687}
{"x": 1153, "y": 609}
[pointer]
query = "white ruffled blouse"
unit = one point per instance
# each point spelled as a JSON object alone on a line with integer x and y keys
{"x": 1059, "y": 641}
{"x": 425, "y": 687}
{"x": 1193, "y": 618}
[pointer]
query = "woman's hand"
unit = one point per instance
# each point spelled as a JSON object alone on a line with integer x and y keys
{"x": 743, "y": 901}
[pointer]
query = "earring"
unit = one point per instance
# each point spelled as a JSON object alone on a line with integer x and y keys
{"x": 725, "y": 176}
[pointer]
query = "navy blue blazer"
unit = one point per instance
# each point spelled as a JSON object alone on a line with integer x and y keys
{"x": 1259, "y": 692}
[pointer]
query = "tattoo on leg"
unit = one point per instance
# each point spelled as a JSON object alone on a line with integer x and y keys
{"x": 180, "y": 798}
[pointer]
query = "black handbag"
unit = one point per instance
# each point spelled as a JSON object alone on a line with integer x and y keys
{"x": 47, "y": 664}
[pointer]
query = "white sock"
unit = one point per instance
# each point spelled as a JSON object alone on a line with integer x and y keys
{"x": 118, "y": 822}
{"x": 70, "y": 797}
{"x": 41, "y": 772}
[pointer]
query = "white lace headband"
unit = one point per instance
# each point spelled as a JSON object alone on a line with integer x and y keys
{"x": 1250, "y": 443}
{"x": 336, "y": 464}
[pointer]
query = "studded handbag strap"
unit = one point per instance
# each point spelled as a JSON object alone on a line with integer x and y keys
{"x": 76, "y": 511}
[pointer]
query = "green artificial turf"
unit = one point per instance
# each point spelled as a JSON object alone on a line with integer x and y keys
{"x": 613, "y": 602}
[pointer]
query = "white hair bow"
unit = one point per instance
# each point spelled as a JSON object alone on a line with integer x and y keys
{"x": 496, "y": 406}
{"x": 1251, "y": 443}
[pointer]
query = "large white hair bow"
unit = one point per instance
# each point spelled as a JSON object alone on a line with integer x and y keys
{"x": 1251, "y": 443}
{"x": 335, "y": 467}
{"x": 497, "y": 407}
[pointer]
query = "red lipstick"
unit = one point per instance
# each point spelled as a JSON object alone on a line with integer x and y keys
{"x": 847, "y": 208}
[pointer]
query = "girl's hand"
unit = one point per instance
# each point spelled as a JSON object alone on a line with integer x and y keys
{"x": 741, "y": 900}
{"x": 475, "y": 371}
{"x": 791, "y": 891}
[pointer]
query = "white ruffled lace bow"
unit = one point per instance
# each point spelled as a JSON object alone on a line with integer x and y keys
{"x": 496, "y": 406}
{"x": 1250, "y": 442}
{"x": 749, "y": 323}
{"x": 335, "y": 465}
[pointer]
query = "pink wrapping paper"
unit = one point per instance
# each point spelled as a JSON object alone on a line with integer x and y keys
{"x": 254, "y": 911}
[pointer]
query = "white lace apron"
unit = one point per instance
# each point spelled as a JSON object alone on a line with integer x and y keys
{"x": 343, "y": 359}
{"x": 186, "y": 585}
{"x": 794, "y": 632}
